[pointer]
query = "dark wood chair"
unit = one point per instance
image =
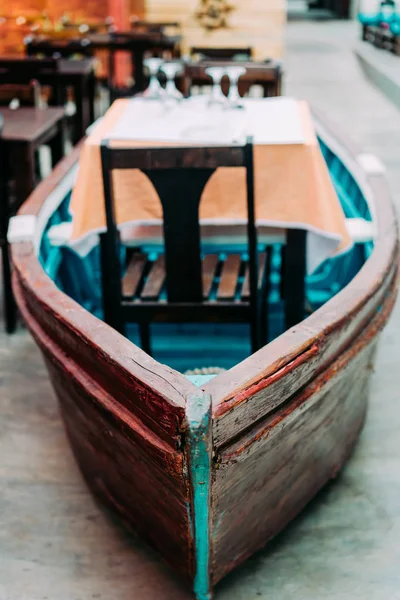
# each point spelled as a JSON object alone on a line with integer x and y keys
{"x": 204, "y": 53}
{"x": 58, "y": 48}
{"x": 10, "y": 310}
{"x": 137, "y": 44}
{"x": 183, "y": 284}
{"x": 168, "y": 29}
{"x": 18, "y": 80}
{"x": 155, "y": 26}
{"x": 26, "y": 69}
{"x": 267, "y": 75}
{"x": 26, "y": 94}
{"x": 74, "y": 79}
{"x": 23, "y": 71}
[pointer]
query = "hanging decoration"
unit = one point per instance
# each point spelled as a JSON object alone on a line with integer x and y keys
{"x": 213, "y": 14}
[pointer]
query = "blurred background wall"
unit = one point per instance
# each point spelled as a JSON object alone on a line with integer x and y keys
{"x": 256, "y": 23}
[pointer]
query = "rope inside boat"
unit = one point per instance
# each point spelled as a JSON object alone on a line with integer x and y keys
{"x": 205, "y": 371}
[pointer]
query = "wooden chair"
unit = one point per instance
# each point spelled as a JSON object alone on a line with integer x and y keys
{"x": 155, "y": 26}
{"x": 221, "y": 53}
{"x": 17, "y": 82}
{"x": 168, "y": 29}
{"x": 182, "y": 285}
{"x": 10, "y": 311}
{"x": 26, "y": 69}
{"x": 26, "y": 94}
{"x": 267, "y": 75}
{"x": 58, "y": 48}
{"x": 137, "y": 44}
{"x": 22, "y": 71}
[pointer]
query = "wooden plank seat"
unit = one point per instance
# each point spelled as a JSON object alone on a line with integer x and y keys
{"x": 225, "y": 278}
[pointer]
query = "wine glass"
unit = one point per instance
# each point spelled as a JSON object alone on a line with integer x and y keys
{"x": 234, "y": 73}
{"x": 171, "y": 70}
{"x": 216, "y": 74}
{"x": 155, "y": 90}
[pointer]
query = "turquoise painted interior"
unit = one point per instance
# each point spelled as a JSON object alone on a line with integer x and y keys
{"x": 193, "y": 346}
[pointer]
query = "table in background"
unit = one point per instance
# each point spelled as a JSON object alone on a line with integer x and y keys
{"x": 24, "y": 131}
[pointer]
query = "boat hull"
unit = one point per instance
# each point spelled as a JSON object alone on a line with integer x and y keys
{"x": 207, "y": 476}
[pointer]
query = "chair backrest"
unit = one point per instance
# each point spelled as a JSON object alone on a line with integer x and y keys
{"x": 153, "y": 40}
{"x": 56, "y": 48}
{"x": 179, "y": 176}
{"x": 153, "y": 26}
{"x": 267, "y": 75}
{"x": 156, "y": 43}
{"x": 3, "y": 191}
{"x": 25, "y": 70}
{"x": 204, "y": 53}
{"x": 26, "y": 94}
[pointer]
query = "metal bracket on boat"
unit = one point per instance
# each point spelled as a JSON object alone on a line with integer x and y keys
{"x": 21, "y": 229}
{"x": 371, "y": 164}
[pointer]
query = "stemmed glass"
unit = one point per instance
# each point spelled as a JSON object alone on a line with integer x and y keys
{"x": 171, "y": 70}
{"x": 217, "y": 95}
{"x": 155, "y": 89}
{"x": 234, "y": 73}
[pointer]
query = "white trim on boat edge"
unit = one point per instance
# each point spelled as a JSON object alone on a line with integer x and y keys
{"x": 360, "y": 231}
{"x": 371, "y": 164}
{"x": 21, "y": 229}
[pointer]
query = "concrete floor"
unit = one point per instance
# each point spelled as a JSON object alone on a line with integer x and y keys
{"x": 56, "y": 543}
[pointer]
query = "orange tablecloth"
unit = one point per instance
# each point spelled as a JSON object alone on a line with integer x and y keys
{"x": 292, "y": 189}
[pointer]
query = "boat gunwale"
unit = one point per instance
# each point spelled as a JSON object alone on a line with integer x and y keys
{"x": 238, "y": 448}
{"x": 62, "y": 319}
{"x": 375, "y": 278}
{"x": 261, "y": 367}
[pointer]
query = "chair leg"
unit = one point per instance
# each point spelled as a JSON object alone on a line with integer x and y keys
{"x": 265, "y": 290}
{"x": 145, "y": 342}
{"x": 10, "y": 309}
{"x": 255, "y": 334}
{"x": 294, "y": 277}
{"x": 282, "y": 280}
{"x": 110, "y": 283}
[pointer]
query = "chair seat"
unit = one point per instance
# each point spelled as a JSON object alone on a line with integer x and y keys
{"x": 225, "y": 278}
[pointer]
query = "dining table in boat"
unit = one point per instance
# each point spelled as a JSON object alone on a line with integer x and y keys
{"x": 293, "y": 188}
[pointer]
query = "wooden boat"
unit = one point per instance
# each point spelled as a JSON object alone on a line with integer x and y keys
{"x": 208, "y": 471}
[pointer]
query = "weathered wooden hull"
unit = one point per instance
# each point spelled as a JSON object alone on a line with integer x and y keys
{"x": 209, "y": 475}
